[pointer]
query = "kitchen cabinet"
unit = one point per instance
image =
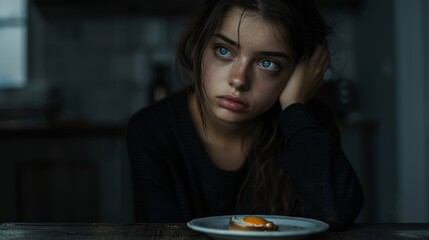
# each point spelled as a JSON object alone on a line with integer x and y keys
{"x": 65, "y": 173}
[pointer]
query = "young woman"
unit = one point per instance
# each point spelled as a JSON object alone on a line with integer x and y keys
{"x": 246, "y": 136}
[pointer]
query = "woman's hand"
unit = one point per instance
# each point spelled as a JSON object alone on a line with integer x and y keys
{"x": 306, "y": 78}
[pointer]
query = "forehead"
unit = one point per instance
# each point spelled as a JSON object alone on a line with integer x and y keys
{"x": 249, "y": 28}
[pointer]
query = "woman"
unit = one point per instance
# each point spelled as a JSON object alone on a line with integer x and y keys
{"x": 245, "y": 137}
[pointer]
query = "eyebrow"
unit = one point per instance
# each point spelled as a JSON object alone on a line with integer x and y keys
{"x": 264, "y": 53}
{"x": 274, "y": 54}
{"x": 226, "y": 39}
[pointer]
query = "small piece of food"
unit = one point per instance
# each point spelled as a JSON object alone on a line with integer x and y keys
{"x": 251, "y": 223}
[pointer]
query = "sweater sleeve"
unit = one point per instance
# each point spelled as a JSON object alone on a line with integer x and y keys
{"x": 312, "y": 156}
{"x": 154, "y": 188}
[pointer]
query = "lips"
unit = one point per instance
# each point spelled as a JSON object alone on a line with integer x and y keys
{"x": 232, "y": 103}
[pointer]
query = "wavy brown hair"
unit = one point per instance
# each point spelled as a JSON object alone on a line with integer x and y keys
{"x": 269, "y": 186}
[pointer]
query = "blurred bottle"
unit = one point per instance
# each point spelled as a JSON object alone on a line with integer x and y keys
{"x": 340, "y": 95}
{"x": 159, "y": 87}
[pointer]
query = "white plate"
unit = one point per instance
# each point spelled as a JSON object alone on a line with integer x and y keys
{"x": 289, "y": 228}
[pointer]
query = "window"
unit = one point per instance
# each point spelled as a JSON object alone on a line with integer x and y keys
{"x": 13, "y": 43}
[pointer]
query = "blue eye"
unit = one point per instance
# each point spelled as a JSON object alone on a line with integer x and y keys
{"x": 223, "y": 52}
{"x": 269, "y": 65}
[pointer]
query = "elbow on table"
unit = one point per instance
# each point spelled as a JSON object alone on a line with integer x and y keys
{"x": 338, "y": 224}
{"x": 346, "y": 211}
{"x": 338, "y": 221}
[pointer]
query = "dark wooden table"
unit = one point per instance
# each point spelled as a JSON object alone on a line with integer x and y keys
{"x": 48, "y": 231}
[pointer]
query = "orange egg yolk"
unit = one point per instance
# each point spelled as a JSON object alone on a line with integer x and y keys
{"x": 255, "y": 220}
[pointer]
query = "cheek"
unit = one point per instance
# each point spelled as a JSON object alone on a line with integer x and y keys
{"x": 268, "y": 95}
{"x": 271, "y": 87}
{"x": 205, "y": 66}
{"x": 211, "y": 70}
{"x": 208, "y": 77}
{"x": 269, "y": 90}
{"x": 206, "y": 71}
{"x": 287, "y": 74}
{"x": 279, "y": 83}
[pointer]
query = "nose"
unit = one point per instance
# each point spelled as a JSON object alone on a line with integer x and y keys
{"x": 239, "y": 76}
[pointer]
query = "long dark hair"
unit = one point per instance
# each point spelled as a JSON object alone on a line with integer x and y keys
{"x": 302, "y": 27}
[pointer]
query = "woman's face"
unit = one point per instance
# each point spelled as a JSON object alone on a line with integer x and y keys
{"x": 245, "y": 67}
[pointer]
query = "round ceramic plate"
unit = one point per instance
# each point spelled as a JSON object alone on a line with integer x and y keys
{"x": 289, "y": 228}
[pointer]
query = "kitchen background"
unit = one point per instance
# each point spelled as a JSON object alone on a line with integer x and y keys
{"x": 72, "y": 72}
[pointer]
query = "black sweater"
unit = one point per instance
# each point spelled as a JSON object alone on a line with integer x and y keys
{"x": 175, "y": 180}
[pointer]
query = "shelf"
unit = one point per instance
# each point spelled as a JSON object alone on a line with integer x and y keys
{"x": 111, "y": 8}
{"x": 108, "y": 8}
{"x": 64, "y": 129}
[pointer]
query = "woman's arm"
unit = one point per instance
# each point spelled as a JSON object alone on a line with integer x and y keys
{"x": 324, "y": 179}
{"x": 312, "y": 155}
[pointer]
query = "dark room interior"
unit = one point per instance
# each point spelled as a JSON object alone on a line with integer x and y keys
{"x": 72, "y": 73}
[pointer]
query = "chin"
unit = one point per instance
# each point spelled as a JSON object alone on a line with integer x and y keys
{"x": 232, "y": 117}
